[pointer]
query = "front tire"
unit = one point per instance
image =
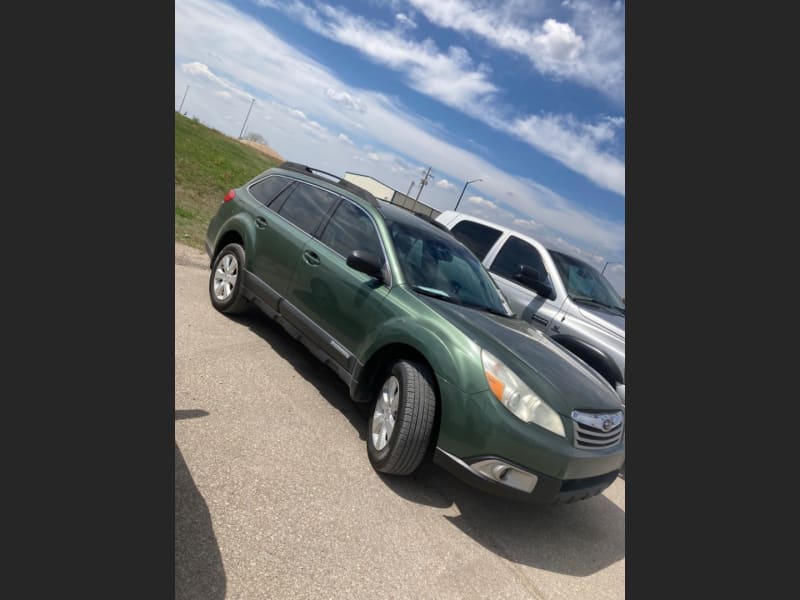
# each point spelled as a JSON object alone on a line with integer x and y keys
{"x": 225, "y": 282}
{"x": 400, "y": 427}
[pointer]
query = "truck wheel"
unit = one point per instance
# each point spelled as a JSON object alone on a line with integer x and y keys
{"x": 225, "y": 282}
{"x": 402, "y": 419}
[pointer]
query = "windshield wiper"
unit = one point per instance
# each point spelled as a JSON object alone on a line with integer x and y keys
{"x": 593, "y": 302}
{"x": 434, "y": 293}
{"x": 488, "y": 309}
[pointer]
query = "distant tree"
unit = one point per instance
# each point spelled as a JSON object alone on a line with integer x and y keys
{"x": 256, "y": 137}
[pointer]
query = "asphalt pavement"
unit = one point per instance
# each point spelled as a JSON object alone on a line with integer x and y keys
{"x": 275, "y": 496}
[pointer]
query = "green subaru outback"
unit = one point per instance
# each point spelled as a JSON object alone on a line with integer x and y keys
{"x": 418, "y": 330}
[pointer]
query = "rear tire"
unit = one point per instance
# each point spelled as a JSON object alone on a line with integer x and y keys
{"x": 225, "y": 281}
{"x": 402, "y": 419}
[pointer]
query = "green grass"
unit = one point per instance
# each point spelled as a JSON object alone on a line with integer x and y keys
{"x": 207, "y": 164}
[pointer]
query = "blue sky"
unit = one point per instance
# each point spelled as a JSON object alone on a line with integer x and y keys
{"x": 526, "y": 95}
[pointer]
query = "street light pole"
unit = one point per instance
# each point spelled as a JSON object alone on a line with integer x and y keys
{"x": 463, "y": 190}
{"x": 241, "y": 133}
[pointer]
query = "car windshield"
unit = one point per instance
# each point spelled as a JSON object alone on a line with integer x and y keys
{"x": 436, "y": 265}
{"x": 586, "y": 284}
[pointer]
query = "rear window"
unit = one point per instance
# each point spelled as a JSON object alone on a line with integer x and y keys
{"x": 478, "y": 238}
{"x": 307, "y": 206}
{"x": 268, "y": 188}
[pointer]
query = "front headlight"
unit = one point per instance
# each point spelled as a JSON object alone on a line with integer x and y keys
{"x": 517, "y": 397}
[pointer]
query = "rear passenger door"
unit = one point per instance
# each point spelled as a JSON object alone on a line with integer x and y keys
{"x": 341, "y": 306}
{"x": 283, "y": 230}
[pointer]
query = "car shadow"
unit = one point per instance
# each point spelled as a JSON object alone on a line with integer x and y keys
{"x": 306, "y": 365}
{"x": 199, "y": 572}
{"x": 576, "y": 539}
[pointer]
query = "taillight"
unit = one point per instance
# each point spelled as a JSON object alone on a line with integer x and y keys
{"x": 229, "y": 196}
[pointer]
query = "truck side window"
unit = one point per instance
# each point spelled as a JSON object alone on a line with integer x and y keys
{"x": 475, "y": 236}
{"x": 513, "y": 255}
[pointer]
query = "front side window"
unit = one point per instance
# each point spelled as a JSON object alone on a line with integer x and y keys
{"x": 475, "y": 236}
{"x": 351, "y": 229}
{"x": 266, "y": 190}
{"x": 307, "y": 206}
{"x": 513, "y": 255}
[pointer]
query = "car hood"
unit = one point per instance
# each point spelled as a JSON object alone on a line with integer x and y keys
{"x": 564, "y": 381}
{"x": 612, "y": 323}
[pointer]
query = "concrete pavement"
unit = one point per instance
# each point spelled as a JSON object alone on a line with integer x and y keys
{"x": 275, "y": 496}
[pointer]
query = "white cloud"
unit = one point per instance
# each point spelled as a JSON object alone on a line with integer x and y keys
{"x": 555, "y": 44}
{"x": 445, "y": 185}
{"x": 480, "y": 201}
{"x": 283, "y": 80}
{"x": 345, "y": 99}
{"x": 405, "y": 21}
{"x": 576, "y": 145}
{"x": 451, "y": 78}
{"x": 448, "y": 77}
{"x": 527, "y": 224}
{"x": 223, "y": 94}
{"x": 374, "y": 156}
{"x": 345, "y": 139}
{"x": 201, "y": 71}
{"x": 590, "y": 50}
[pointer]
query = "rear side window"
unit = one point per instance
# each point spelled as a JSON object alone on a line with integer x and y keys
{"x": 351, "y": 229}
{"x": 307, "y": 206}
{"x": 267, "y": 189}
{"x": 478, "y": 238}
{"x": 513, "y": 255}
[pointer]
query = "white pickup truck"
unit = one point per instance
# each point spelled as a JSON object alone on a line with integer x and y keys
{"x": 565, "y": 297}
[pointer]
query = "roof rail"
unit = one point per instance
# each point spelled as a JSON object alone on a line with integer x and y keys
{"x": 343, "y": 183}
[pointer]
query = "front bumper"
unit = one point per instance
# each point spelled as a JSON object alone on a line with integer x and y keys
{"x": 476, "y": 428}
{"x": 547, "y": 490}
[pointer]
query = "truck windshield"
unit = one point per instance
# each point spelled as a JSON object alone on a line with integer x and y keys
{"x": 584, "y": 283}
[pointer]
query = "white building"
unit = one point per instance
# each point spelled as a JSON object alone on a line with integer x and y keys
{"x": 372, "y": 185}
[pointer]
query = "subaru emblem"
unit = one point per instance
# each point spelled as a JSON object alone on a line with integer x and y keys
{"x": 607, "y": 424}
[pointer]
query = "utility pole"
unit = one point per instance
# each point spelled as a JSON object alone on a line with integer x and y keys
{"x": 184, "y": 98}
{"x": 410, "y": 187}
{"x": 422, "y": 183}
{"x": 241, "y": 133}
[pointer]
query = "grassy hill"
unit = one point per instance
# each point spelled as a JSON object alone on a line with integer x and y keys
{"x": 207, "y": 164}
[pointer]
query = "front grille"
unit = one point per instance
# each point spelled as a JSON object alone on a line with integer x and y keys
{"x": 594, "y": 431}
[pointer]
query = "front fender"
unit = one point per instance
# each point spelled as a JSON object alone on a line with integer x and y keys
{"x": 452, "y": 355}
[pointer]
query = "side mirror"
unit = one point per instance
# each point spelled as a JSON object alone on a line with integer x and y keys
{"x": 366, "y": 262}
{"x": 530, "y": 277}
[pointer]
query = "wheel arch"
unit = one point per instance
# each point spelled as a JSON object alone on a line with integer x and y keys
{"x": 593, "y": 356}
{"x": 362, "y": 391}
{"x": 235, "y": 231}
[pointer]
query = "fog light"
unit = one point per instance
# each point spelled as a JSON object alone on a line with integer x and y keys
{"x": 497, "y": 470}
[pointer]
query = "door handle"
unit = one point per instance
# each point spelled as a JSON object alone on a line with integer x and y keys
{"x": 311, "y": 258}
{"x": 261, "y": 222}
